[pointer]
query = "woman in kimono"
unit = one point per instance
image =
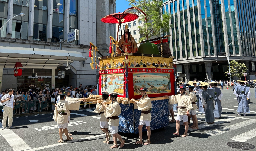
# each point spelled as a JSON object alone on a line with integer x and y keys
{"x": 207, "y": 96}
{"x": 242, "y": 93}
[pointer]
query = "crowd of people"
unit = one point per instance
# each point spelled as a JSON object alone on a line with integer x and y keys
{"x": 47, "y": 96}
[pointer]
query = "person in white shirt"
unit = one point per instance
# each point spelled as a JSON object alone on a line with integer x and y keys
{"x": 7, "y": 101}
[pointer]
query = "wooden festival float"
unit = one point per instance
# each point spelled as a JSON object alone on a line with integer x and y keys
{"x": 127, "y": 69}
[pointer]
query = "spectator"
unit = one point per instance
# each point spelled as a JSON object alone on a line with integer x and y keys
{"x": 80, "y": 87}
{"x": 2, "y": 94}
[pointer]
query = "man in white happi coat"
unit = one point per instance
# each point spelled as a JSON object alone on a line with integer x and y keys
{"x": 184, "y": 107}
{"x": 112, "y": 112}
{"x": 144, "y": 105}
{"x": 100, "y": 109}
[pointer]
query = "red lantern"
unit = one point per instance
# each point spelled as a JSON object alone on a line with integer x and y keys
{"x": 18, "y": 64}
{"x": 17, "y": 72}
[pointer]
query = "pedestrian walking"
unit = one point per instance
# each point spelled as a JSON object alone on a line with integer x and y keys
{"x": 8, "y": 102}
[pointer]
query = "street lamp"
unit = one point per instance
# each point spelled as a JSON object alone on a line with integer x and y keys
{"x": 20, "y": 14}
{"x": 229, "y": 65}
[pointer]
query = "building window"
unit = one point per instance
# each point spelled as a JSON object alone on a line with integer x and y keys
{"x": 134, "y": 23}
{"x": 140, "y": 22}
{"x": 73, "y": 7}
{"x": 123, "y": 27}
{"x": 136, "y": 40}
{"x": 129, "y": 25}
{"x": 119, "y": 37}
{"x": 134, "y": 32}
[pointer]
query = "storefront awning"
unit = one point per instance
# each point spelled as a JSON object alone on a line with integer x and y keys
{"x": 37, "y": 58}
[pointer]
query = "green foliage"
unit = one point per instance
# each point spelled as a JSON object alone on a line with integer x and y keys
{"x": 157, "y": 22}
{"x": 237, "y": 69}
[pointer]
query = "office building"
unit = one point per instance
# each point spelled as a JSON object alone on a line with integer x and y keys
{"x": 205, "y": 32}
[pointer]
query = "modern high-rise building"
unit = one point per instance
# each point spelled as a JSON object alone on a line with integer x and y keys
{"x": 39, "y": 41}
{"x": 204, "y": 33}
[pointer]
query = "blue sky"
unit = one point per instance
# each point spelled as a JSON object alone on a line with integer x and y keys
{"x": 121, "y": 5}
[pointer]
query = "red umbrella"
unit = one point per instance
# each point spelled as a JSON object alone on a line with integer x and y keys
{"x": 119, "y": 18}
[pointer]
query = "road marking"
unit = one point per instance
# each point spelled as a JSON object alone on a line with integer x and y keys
{"x": 14, "y": 140}
{"x": 231, "y": 127}
{"x": 95, "y": 117}
{"x": 59, "y": 144}
{"x": 46, "y": 128}
{"x": 231, "y": 109}
{"x": 245, "y": 136}
{"x": 235, "y": 106}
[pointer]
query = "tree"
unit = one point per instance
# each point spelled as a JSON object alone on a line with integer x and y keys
{"x": 156, "y": 23}
{"x": 237, "y": 69}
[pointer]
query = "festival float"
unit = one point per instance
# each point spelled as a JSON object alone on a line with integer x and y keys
{"x": 128, "y": 68}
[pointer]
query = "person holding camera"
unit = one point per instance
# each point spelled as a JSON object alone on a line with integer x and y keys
{"x": 8, "y": 102}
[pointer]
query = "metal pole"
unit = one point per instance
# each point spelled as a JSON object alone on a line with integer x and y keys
{"x": 21, "y": 14}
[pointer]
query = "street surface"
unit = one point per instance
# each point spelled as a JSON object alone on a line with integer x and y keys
{"x": 39, "y": 132}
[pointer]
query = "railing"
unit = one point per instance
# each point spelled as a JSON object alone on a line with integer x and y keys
{"x": 27, "y": 106}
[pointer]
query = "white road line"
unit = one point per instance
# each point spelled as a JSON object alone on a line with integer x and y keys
{"x": 235, "y": 106}
{"x": 14, "y": 140}
{"x": 59, "y": 144}
{"x": 231, "y": 127}
{"x": 245, "y": 136}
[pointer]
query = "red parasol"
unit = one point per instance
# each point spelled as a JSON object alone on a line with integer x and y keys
{"x": 119, "y": 18}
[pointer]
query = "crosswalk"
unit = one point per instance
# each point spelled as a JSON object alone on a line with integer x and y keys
{"x": 230, "y": 124}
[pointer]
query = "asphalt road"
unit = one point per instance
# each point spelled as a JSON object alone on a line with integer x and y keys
{"x": 39, "y": 132}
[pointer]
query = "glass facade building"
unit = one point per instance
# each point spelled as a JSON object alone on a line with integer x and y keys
{"x": 205, "y": 30}
{"x": 20, "y": 24}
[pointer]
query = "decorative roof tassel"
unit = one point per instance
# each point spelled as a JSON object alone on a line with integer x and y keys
{"x": 110, "y": 47}
{"x": 90, "y": 53}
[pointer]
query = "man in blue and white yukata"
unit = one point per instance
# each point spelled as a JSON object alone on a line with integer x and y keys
{"x": 242, "y": 95}
{"x": 217, "y": 100}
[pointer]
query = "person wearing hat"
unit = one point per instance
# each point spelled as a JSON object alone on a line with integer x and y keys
{"x": 112, "y": 112}
{"x": 144, "y": 105}
{"x": 242, "y": 94}
{"x": 184, "y": 106}
{"x": 200, "y": 98}
{"x": 193, "y": 110}
{"x": 217, "y": 98}
{"x": 62, "y": 118}
{"x": 208, "y": 103}
{"x": 103, "y": 120}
